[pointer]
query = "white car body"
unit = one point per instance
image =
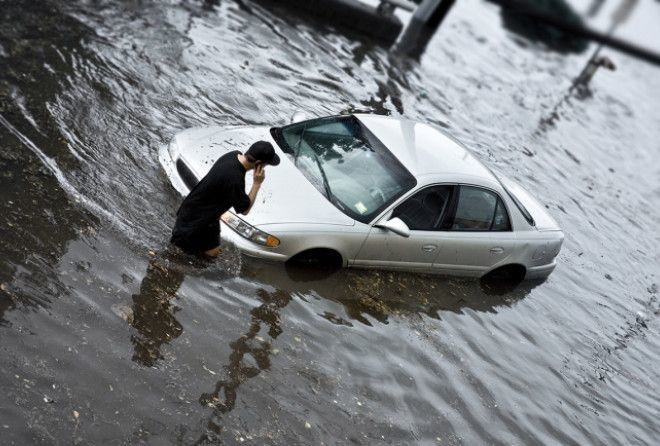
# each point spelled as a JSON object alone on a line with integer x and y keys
{"x": 292, "y": 209}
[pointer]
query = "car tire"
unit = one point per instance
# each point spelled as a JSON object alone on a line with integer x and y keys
{"x": 318, "y": 257}
{"x": 503, "y": 279}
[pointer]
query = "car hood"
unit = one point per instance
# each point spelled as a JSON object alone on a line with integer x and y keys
{"x": 286, "y": 196}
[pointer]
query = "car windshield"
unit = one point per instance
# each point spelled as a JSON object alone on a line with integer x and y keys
{"x": 346, "y": 163}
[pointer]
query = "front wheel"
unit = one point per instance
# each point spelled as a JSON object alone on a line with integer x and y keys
{"x": 324, "y": 257}
{"x": 314, "y": 264}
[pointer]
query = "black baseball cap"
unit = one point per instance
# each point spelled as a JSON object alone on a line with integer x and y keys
{"x": 262, "y": 151}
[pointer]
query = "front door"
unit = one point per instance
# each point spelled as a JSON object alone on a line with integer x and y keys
{"x": 422, "y": 212}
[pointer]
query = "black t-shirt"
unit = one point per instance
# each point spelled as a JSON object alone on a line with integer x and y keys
{"x": 222, "y": 188}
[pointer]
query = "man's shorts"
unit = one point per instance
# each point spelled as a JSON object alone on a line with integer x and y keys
{"x": 198, "y": 241}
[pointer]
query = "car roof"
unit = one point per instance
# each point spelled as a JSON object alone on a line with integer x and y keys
{"x": 426, "y": 151}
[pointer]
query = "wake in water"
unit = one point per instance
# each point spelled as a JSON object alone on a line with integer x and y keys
{"x": 50, "y": 164}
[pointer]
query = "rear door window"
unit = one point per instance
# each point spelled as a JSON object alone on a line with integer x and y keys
{"x": 479, "y": 209}
{"x": 501, "y": 220}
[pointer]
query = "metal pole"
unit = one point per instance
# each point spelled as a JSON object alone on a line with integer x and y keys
{"x": 423, "y": 24}
{"x": 406, "y": 5}
{"x": 620, "y": 15}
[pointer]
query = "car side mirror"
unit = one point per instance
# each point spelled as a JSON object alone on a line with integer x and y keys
{"x": 395, "y": 225}
{"x": 298, "y": 117}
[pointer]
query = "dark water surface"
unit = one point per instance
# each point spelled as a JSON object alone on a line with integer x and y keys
{"x": 108, "y": 338}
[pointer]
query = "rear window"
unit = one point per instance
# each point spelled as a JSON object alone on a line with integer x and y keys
{"x": 523, "y": 210}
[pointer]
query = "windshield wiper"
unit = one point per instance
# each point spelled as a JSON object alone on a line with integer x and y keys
{"x": 326, "y": 186}
{"x": 314, "y": 156}
{"x": 296, "y": 151}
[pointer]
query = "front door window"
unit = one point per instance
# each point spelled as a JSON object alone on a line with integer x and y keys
{"x": 424, "y": 210}
{"x": 423, "y": 213}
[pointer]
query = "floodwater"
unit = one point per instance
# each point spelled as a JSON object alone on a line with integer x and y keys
{"x": 108, "y": 337}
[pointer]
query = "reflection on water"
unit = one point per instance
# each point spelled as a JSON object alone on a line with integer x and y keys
{"x": 104, "y": 341}
{"x": 383, "y": 294}
{"x": 378, "y": 295}
{"x": 580, "y": 89}
{"x": 153, "y": 314}
{"x": 366, "y": 297}
{"x": 238, "y": 370}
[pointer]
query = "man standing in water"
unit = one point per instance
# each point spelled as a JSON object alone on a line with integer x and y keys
{"x": 197, "y": 227}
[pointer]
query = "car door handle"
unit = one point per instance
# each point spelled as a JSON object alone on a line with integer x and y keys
{"x": 497, "y": 250}
{"x": 429, "y": 248}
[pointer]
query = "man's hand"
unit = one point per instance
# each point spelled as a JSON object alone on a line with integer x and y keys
{"x": 259, "y": 174}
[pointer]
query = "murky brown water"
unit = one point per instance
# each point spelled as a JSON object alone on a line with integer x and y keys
{"x": 108, "y": 338}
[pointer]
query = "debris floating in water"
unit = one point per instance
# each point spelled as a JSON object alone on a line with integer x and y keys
{"x": 642, "y": 318}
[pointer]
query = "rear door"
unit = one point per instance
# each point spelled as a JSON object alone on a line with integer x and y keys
{"x": 477, "y": 233}
{"x": 423, "y": 212}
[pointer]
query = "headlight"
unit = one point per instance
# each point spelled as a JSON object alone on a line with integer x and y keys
{"x": 248, "y": 231}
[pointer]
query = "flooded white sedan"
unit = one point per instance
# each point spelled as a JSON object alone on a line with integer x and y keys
{"x": 370, "y": 191}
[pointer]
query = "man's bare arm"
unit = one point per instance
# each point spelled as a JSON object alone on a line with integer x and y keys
{"x": 259, "y": 177}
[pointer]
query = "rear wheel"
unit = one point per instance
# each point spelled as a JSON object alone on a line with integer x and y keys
{"x": 503, "y": 279}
